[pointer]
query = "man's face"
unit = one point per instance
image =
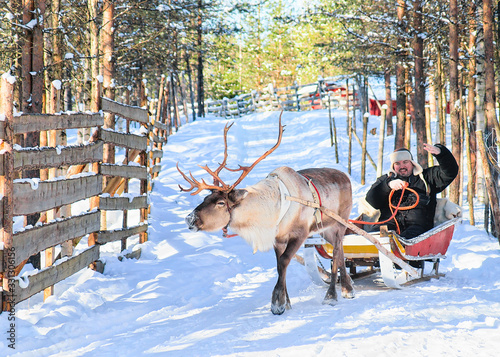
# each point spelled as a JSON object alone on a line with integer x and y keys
{"x": 403, "y": 168}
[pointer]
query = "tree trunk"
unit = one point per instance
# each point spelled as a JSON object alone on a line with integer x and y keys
{"x": 489, "y": 66}
{"x": 388, "y": 102}
{"x": 190, "y": 84}
{"x": 489, "y": 104}
{"x": 94, "y": 55}
{"x": 490, "y": 183}
{"x": 6, "y": 190}
{"x": 56, "y": 40}
{"x": 471, "y": 102}
{"x": 441, "y": 95}
{"x": 27, "y": 45}
{"x": 432, "y": 103}
{"x": 107, "y": 40}
{"x": 201, "y": 88}
{"x": 480, "y": 115}
{"x": 32, "y": 84}
{"x": 400, "y": 80}
{"x": 454, "y": 98}
{"x": 419, "y": 96}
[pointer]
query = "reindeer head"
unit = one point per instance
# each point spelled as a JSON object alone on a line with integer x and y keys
{"x": 214, "y": 212}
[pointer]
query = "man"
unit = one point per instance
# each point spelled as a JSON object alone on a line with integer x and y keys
{"x": 426, "y": 182}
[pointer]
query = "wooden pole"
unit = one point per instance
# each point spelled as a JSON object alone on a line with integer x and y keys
{"x": 381, "y": 136}
{"x": 470, "y": 175}
{"x": 367, "y": 153}
{"x": 52, "y": 214}
{"x": 363, "y": 147}
{"x": 330, "y": 120}
{"x": 332, "y": 124}
{"x": 7, "y": 187}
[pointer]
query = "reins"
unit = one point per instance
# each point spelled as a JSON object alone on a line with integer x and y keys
{"x": 394, "y": 209}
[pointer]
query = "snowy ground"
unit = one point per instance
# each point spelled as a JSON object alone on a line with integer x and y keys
{"x": 198, "y": 294}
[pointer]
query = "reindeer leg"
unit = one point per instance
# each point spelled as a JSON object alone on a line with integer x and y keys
{"x": 280, "y": 301}
{"x": 338, "y": 264}
{"x": 345, "y": 279}
{"x": 284, "y": 254}
{"x": 331, "y": 294}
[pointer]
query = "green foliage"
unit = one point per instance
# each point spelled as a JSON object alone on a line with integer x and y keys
{"x": 270, "y": 44}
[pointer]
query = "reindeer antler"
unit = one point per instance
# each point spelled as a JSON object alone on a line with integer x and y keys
{"x": 246, "y": 169}
{"x": 200, "y": 185}
{"x": 215, "y": 174}
{"x": 221, "y": 166}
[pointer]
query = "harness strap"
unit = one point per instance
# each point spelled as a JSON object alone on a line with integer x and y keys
{"x": 285, "y": 204}
{"x": 318, "y": 214}
{"x": 224, "y": 229}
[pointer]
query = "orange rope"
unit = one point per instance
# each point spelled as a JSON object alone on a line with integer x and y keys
{"x": 394, "y": 209}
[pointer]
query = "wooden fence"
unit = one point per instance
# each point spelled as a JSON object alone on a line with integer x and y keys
{"x": 100, "y": 187}
{"x": 293, "y": 98}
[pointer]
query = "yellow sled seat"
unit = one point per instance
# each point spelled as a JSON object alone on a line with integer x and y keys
{"x": 358, "y": 247}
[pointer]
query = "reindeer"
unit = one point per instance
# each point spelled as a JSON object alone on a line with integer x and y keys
{"x": 263, "y": 216}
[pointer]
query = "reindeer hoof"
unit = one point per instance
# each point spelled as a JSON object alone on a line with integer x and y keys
{"x": 277, "y": 309}
{"x": 348, "y": 294}
{"x": 329, "y": 301}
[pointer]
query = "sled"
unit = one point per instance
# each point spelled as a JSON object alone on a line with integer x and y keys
{"x": 383, "y": 251}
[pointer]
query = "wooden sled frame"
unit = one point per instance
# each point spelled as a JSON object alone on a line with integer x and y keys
{"x": 430, "y": 246}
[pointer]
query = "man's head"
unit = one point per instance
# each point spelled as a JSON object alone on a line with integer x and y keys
{"x": 403, "y": 165}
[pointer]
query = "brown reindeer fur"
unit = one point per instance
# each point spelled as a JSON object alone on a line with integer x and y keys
{"x": 253, "y": 213}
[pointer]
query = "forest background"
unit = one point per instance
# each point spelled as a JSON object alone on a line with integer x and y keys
{"x": 443, "y": 56}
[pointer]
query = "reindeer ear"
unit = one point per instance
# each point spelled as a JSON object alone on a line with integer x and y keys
{"x": 237, "y": 195}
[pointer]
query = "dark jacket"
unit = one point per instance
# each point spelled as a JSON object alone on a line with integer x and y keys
{"x": 437, "y": 178}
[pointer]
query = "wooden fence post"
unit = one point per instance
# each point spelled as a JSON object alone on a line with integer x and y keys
{"x": 363, "y": 148}
{"x": 333, "y": 135}
{"x": 470, "y": 175}
{"x": 381, "y": 136}
{"x": 6, "y": 184}
{"x": 349, "y": 127}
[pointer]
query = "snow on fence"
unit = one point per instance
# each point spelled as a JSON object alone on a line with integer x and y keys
{"x": 103, "y": 186}
{"x": 293, "y": 98}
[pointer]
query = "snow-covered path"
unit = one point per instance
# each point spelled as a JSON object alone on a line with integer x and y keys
{"x": 198, "y": 294}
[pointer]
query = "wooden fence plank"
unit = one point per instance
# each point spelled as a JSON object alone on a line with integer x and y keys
{"x": 159, "y": 139}
{"x": 159, "y": 125}
{"x": 39, "y": 238}
{"x": 157, "y": 154}
{"x": 131, "y": 141}
{"x": 122, "y": 203}
{"x": 127, "y": 171}
{"x": 55, "y": 273}
{"x": 156, "y": 169}
{"x": 112, "y": 236}
{"x": 126, "y": 111}
{"x": 52, "y": 194}
{"x": 48, "y": 157}
{"x": 41, "y": 122}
